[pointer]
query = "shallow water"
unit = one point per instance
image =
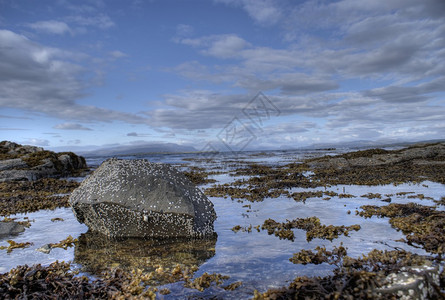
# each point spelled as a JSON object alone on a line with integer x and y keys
{"x": 259, "y": 260}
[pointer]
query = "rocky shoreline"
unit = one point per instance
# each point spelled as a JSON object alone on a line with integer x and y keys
{"x": 374, "y": 276}
{"x": 30, "y": 180}
{"x": 29, "y": 163}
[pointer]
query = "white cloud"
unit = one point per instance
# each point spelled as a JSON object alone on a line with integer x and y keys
{"x": 264, "y": 12}
{"x": 71, "y": 126}
{"x": 51, "y": 26}
{"x": 36, "y": 142}
{"x": 183, "y": 30}
{"x": 220, "y": 46}
{"x": 101, "y": 21}
{"x": 226, "y": 46}
{"x": 117, "y": 54}
{"x": 46, "y": 80}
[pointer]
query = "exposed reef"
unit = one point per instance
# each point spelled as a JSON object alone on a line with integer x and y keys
{"x": 368, "y": 167}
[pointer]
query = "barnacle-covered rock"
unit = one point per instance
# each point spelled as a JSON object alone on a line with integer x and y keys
{"x": 137, "y": 198}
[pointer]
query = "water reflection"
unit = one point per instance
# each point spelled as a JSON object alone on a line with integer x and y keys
{"x": 96, "y": 253}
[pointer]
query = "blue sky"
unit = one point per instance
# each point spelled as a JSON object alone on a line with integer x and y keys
{"x": 78, "y": 74}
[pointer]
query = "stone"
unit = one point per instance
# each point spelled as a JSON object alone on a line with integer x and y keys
{"x": 20, "y": 163}
{"x": 45, "y": 249}
{"x": 412, "y": 283}
{"x": 10, "y": 228}
{"x": 137, "y": 198}
{"x": 10, "y": 164}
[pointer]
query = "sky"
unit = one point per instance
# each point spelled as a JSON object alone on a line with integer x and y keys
{"x": 221, "y": 74}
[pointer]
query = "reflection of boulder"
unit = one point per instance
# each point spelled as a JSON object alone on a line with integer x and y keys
{"x": 96, "y": 252}
{"x": 136, "y": 198}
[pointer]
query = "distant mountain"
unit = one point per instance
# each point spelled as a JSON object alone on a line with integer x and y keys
{"x": 139, "y": 149}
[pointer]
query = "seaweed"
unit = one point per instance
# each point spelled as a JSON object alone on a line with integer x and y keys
{"x": 353, "y": 278}
{"x": 312, "y": 226}
{"x": 14, "y": 245}
{"x": 30, "y": 196}
{"x": 422, "y": 225}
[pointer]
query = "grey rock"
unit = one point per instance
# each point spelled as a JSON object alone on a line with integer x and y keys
{"x": 17, "y": 149}
{"x": 15, "y": 163}
{"x": 45, "y": 249}
{"x": 18, "y": 175}
{"x": 10, "y": 228}
{"x": 412, "y": 283}
{"x": 22, "y": 163}
{"x": 137, "y": 198}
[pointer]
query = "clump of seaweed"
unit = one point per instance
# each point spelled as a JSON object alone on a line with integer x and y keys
{"x": 30, "y": 196}
{"x": 302, "y": 196}
{"x": 422, "y": 225}
{"x": 372, "y": 196}
{"x": 14, "y": 245}
{"x": 59, "y": 281}
{"x": 233, "y": 286}
{"x": 64, "y": 244}
{"x": 206, "y": 280}
{"x": 312, "y": 226}
{"x": 198, "y": 176}
{"x": 253, "y": 194}
{"x": 420, "y": 196}
{"x": 321, "y": 256}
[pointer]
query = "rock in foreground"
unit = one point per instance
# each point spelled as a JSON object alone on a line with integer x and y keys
{"x": 136, "y": 198}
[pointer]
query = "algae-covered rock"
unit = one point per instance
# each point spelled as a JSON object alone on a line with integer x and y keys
{"x": 137, "y": 198}
{"x": 27, "y": 163}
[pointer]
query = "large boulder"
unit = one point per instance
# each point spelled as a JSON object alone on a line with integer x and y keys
{"x": 18, "y": 162}
{"x": 137, "y": 198}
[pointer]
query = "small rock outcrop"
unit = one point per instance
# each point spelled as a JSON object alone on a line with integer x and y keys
{"x": 137, "y": 198}
{"x": 10, "y": 228}
{"x": 18, "y": 162}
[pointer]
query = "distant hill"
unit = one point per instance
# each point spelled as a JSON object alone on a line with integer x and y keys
{"x": 140, "y": 149}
